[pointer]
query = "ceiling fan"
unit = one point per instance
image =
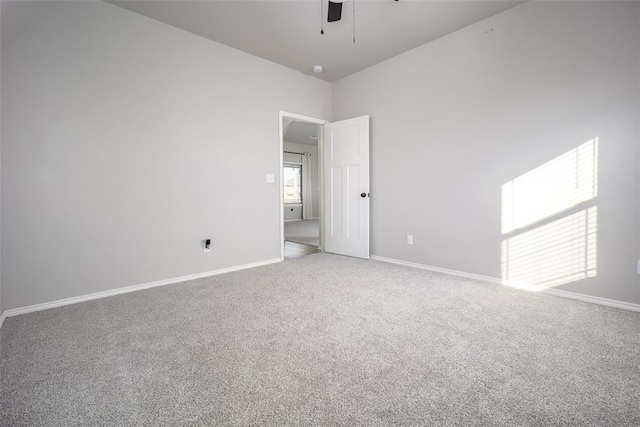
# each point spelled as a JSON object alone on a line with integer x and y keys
{"x": 334, "y": 14}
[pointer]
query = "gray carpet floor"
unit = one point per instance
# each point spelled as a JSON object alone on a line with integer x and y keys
{"x": 306, "y": 232}
{"x": 323, "y": 340}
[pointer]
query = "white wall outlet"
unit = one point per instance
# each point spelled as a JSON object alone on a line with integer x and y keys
{"x": 409, "y": 239}
{"x": 206, "y": 245}
{"x": 638, "y": 267}
{"x": 271, "y": 178}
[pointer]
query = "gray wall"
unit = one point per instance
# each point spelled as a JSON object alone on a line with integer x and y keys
{"x": 1, "y": 309}
{"x": 293, "y": 212}
{"x": 124, "y": 143}
{"x": 122, "y": 139}
{"x": 453, "y": 120}
{"x": 313, "y": 149}
{"x": 638, "y": 161}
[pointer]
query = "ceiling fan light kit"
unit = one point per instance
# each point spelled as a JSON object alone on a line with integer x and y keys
{"x": 335, "y": 11}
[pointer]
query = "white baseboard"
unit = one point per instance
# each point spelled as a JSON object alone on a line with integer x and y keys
{"x": 58, "y": 303}
{"x": 556, "y": 292}
{"x": 594, "y": 300}
{"x": 2, "y": 317}
{"x": 438, "y": 269}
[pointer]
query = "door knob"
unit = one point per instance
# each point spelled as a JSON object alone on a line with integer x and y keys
{"x": 363, "y": 194}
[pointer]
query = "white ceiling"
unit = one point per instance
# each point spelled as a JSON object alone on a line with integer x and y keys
{"x": 288, "y": 31}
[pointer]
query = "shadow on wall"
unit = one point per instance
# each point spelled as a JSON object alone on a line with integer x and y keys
{"x": 550, "y": 221}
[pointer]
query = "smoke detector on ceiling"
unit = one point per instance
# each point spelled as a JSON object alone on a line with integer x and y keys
{"x": 317, "y": 68}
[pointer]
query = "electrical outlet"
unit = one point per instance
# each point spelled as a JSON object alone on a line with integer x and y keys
{"x": 638, "y": 267}
{"x": 271, "y": 178}
{"x": 409, "y": 239}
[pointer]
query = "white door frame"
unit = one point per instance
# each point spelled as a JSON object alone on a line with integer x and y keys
{"x": 321, "y": 123}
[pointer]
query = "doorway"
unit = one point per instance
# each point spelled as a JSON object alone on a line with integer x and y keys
{"x": 301, "y": 184}
{"x": 342, "y": 185}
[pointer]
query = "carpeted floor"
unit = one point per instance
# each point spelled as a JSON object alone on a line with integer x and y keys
{"x": 306, "y": 232}
{"x": 323, "y": 340}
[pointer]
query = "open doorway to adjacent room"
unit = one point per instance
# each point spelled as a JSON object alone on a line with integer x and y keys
{"x": 301, "y": 185}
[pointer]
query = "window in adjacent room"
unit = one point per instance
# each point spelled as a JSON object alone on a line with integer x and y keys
{"x": 292, "y": 183}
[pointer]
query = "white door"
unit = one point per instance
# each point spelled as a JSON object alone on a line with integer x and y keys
{"x": 346, "y": 187}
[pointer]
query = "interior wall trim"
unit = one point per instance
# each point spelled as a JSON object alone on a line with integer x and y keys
{"x": 104, "y": 294}
{"x": 438, "y": 269}
{"x": 594, "y": 300}
{"x": 564, "y": 294}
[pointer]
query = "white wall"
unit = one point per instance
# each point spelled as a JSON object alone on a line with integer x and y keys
{"x": 453, "y": 120}
{"x": 124, "y": 141}
{"x": 313, "y": 150}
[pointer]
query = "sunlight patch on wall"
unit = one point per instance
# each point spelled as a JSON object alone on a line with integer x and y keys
{"x": 550, "y": 221}
{"x": 557, "y": 185}
{"x": 559, "y": 252}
